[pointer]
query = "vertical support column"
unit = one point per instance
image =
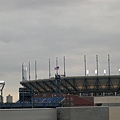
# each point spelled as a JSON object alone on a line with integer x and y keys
{"x": 23, "y": 72}
{"x": 118, "y": 87}
{"x": 97, "y": 63}
{"x": 49, "y": 68}
{"x": 35, "y": 70}
{"x": 85, "y": 64}
{"x": 64, "y": 67}
{"x": 109, "y": 86}
{"x": 58, "y": 84}
{"x": 109, "y": 80}
{"x": 85, "y": 87}
{"x": 23, "y": 78}
{"x": 29, "y": 70}
{"x": 109, "y": 64}
{"x": 56, "y": 66}
{"x": 97, "y": 87}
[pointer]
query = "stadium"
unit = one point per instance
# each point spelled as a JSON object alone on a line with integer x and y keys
{"x": 62, "y": 90}
{"x": 76, "y": 86}
{"x": 65, "y": 97}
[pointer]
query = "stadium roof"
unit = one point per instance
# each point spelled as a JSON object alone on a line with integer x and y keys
{"x": 75, "y": 84}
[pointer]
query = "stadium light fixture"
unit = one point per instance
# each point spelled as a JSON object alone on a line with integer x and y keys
{"x": 95, "y": 72}
{"x": 87, "y": 72}
{"x": 119, "y": 71}
{"x": 104, "y": 72}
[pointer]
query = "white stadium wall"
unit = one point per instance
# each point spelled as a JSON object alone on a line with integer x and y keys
{"x": 107, "y": 99}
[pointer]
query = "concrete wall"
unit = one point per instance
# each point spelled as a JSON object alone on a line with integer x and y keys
{"x": 107, "y": 99}
{"x": 111, "y": 104}
{"x": 62, "y": 113}
{"x": 114, "y": 113}
{"x": 83, "y": 113}
{"x": 28, "y": 114}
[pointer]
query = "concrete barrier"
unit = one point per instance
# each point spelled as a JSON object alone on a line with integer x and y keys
{"x": 83, "y": 113}
{"x": 28, "y": 114}
{"x": 114, "y": 113}
{"x": 62, "y": 113}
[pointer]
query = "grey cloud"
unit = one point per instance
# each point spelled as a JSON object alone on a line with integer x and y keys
{"x": 32, "y": 4}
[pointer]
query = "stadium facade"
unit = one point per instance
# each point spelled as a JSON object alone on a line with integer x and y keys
{"x": 73, "y": 89}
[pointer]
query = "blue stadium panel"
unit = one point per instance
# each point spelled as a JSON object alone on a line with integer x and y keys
{"x": 49, "y": 100}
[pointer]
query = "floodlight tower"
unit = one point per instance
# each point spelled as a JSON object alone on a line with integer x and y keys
{"x": 109, "y": 64}
{"x": 64, "y": 67}
{"x": 97, "y": 85}
{"x": 85, "y": 86}
{"x": 109, "y": 85}
{"x": 97, "y": 64}
{"x": 2, "y": 84}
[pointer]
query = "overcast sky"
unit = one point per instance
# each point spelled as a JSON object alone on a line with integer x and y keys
{"x": 41, "y": 29}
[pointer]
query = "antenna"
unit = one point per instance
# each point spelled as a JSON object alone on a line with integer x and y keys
{"x": 35, "y": 70}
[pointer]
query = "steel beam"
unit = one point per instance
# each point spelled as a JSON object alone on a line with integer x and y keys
{"x": 71, "y": 85}
{"x": 35, "y": 87}
{"x": 41, "y": 87}
{"x": 48, "y": 86}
